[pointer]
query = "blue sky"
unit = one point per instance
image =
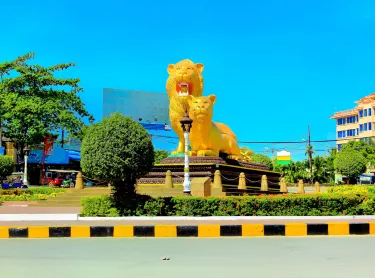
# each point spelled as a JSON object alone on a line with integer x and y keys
{"x": 275, "y": 66}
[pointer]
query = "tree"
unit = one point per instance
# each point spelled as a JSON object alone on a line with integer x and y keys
{"x": 160, "y": 155}
{"x": 365, "y": 148}
{"x": 350, "y": 163}
{"x": 309, "y": 152}
{"x": 323, "y": 170}
{"x": 117, "y": 150}
{"x": 34, "y": 101}
{"x": 6, "y": 166}
{"x": 262, "y": 159}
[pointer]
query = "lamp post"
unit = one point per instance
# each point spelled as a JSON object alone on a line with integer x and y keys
{"x": 186, "y": 124}
{"x": 26, "y": 152}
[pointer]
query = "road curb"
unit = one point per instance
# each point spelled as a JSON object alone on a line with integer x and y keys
{"x": 201, "y": 231}
{"x": 226, "y": 218}
{"x": 39, "y": 217}
{"x": 75, "y": 217}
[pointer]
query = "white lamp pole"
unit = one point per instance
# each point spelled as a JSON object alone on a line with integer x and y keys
{"x": 26, "y": 152}
{"x": 186, "y": 124}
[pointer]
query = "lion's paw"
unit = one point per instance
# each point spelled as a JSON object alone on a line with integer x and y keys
{"x": 235, "y": 157}
{"x": 206, "y": 153}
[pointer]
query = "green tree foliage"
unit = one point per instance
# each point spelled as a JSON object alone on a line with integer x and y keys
{"x": 367, "y": 149}
{"x": 323, "y": 169}
{"x": 294, "y": 171}
{"x": 350, "y": 163}
{"x": 262, "y": 159}
{"x": 6, "y": 166}
{"x": 34, "y": 101}
{"x": 117, "y": 150}
{"x": 160, "y": 155}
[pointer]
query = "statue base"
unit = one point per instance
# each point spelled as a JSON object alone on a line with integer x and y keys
{"x": 205, "y": 166}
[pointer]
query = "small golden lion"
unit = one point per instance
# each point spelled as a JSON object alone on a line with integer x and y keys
{"x": 185, "y": 79}
{"x": 206, "y": 137}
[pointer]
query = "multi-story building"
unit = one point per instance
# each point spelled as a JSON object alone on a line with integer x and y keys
{"x": 357, "y": 123}
{"x": 143, "y": 106}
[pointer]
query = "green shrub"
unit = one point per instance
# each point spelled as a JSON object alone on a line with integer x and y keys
{"x": 32, "y": 191}
{"x": 267, "y": 205}
{"x": 6, "y": 166}
{"x": 357, "y": 189}
{"x": 32, "y": 194}
{"x": 98, "y": 206}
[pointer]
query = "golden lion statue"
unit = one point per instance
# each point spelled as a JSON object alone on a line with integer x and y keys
{"x": 206, "y": 137}
{"x": 185, "y": 79}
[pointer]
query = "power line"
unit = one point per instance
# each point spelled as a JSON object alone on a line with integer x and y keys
{"x": 265, "y": 142}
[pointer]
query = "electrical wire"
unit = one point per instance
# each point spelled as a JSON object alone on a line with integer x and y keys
{"x": 265, "y": 142}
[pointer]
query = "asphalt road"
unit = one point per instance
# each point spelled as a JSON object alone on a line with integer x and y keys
{"x": 189, "y": 257}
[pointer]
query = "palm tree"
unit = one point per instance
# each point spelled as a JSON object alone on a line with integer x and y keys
{"x": 309, "y": 152}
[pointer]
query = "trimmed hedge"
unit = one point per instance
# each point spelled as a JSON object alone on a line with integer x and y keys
{"x": 268, "y": 205}
{"x": 31, "y": 194}
{"x": 357, "y": 189}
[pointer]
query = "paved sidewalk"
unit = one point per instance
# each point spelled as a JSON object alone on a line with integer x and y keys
{"x": 6, "y": 209}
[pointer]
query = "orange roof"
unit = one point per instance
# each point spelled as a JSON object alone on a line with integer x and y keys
{"x": 344, "y": 113}
{"x": 366, "y": 99}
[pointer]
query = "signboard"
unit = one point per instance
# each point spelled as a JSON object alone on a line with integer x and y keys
{"x": 283, "y": 158}
{"x": 48, "y": 145}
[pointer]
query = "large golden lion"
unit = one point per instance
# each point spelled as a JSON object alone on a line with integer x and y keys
{"x": 206, "y": 137}
{"x": 185, "y": 79}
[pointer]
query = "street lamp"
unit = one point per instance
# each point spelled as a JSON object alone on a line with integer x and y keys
{"x": 186, "y": 124}
{"x": 26, "y": 152}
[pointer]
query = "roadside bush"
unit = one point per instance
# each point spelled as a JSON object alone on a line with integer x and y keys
{"x": 356, "y": 189}
{"x": 268, "y": 205}
{"x": 31, "y": 194}
{"x": 6, "y": 166}
{"x": 98, "y": 206}
{"x": 32, "y": 191}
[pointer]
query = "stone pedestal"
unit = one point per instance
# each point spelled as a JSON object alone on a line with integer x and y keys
{"x": 201, "y": 187}
{"x": 217, "y": 180}
{"x": 79, "y": 181}
{"x": 283, "y": 186}
{"x": 168, "y": 179}
{"x": 301, "y": 187}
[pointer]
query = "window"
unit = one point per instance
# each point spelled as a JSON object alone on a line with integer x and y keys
{"x": 356, "y": 119}
{"x": 351, "y": 132}
{"x": 369, "y": 125}
{"x": 339, "y": 121}
{"x": 339, "y": 147}
{"x": 369, "y": 111}
{"x": 361, "y": 127}
{"x": 365, "y": 113}
{"x": 365, "y": 126}
{"x": 339, "y": 134}
{"x": 357, "y": 131}
{"x": 344, "y": 133}
{"x": 361, "y": 113}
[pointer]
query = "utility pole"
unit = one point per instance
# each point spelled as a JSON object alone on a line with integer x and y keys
{"x": 309, "y": 153}
{"x": 62, "y": 138}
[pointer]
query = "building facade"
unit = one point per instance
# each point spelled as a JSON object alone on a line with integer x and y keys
{"x": 356, "y": 123}
{"x": 141, "y": 106}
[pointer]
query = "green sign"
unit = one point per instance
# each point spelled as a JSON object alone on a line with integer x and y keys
{"x": 283, "y": 162}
